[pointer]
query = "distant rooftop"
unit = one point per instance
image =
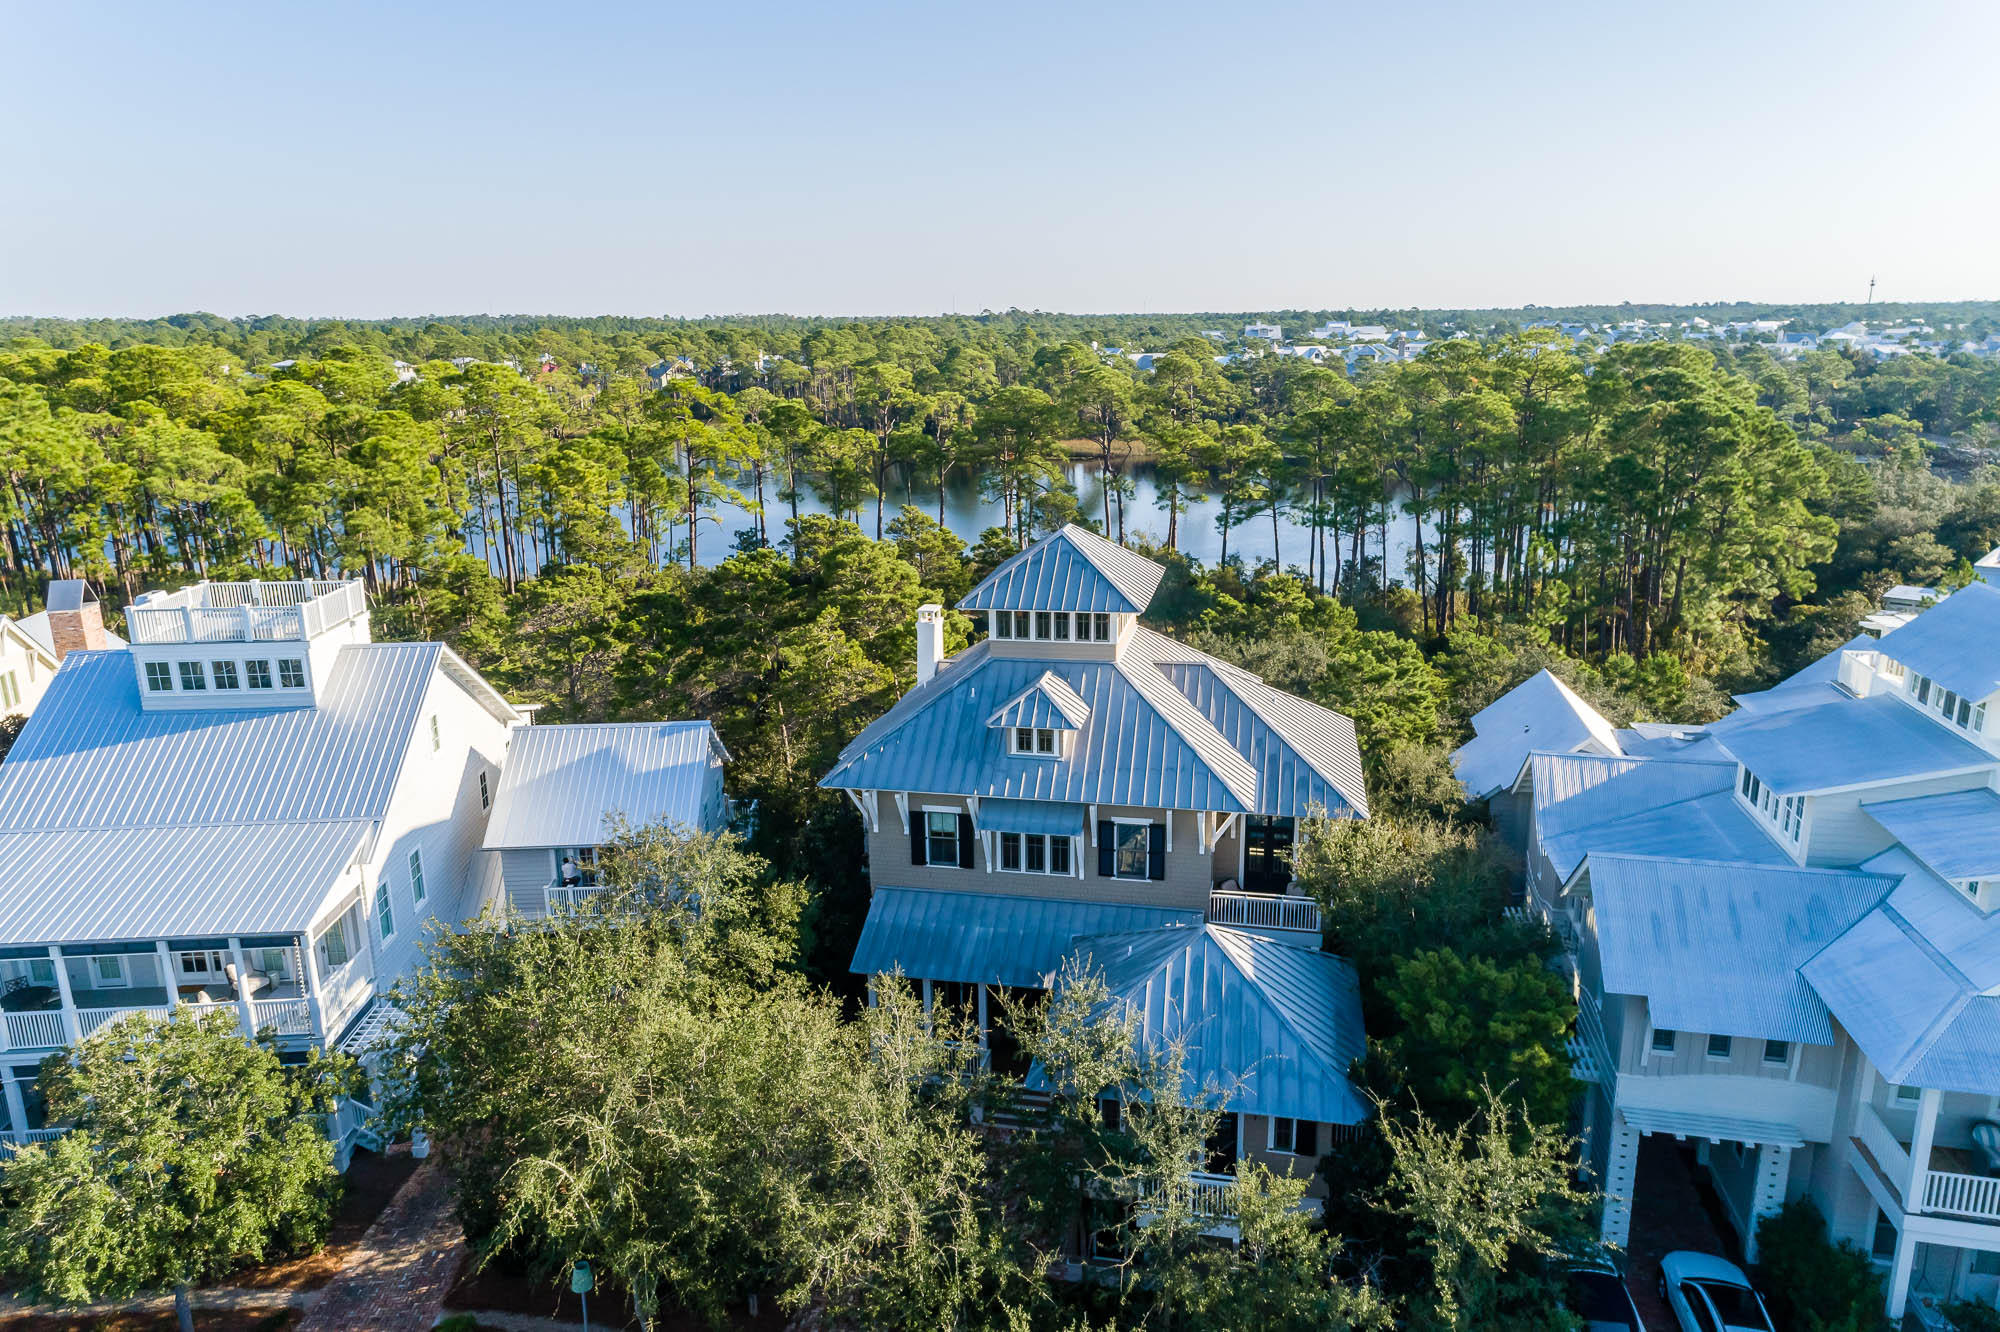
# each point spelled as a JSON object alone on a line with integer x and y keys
{"x": 243, "y": 612}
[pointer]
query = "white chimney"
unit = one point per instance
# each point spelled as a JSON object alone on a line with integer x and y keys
{"x": 930, "y": 641}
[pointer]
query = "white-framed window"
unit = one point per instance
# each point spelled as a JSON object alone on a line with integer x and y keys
{"x": 1131, "y": 850}
{"x": 1042, "y": 627}
{"x": 191, "y": 675}
{"x": 437, "y": 741}
{"x": 224, "y": 674}
{"x": 273, "y": 962}
{"x": 107, "y": 971}
{"x": 1060, "y": 624}
{"x": 1003, "y": 624}
{"x": 335, "y": 945}
{"x": 159, "y": 677}
{"x": 485, "y": 793}
{"x": 1720, "y": 1047}
{"x": 1039, "y": 741}
{"x": 1297, "y": 1136}
{"x": 1020, "y": 624}
{"x": 941, "y": 837}
{"x": 1664, "y": 1040}
{"x": 10, "y": 690}
{"x": 1778, "y": 1053}
{"x": 1100, "y": 626}
{"x": 385, "y": 915}
{"x": 416, "y": 874}
{"x": 291, "y": 673}
{"x": 259, "y": 674}
{"x": 1909, "y": 1095}
{"x": 1034, "y": 853}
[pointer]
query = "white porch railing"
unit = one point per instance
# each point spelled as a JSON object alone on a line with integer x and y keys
{"x": 245, "y": 612}
{"x": 29, "y": 1031}
{"x": 289, "y": 1017}
{"x": 1962, "y": 1195}
{"x": 1263, "y": 911}
{"x": 1890, "y": 1155}
{"x": 89, "y": 1020}
{"x": 564, "y": 897}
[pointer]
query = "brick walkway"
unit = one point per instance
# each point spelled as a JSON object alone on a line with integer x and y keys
{"x": 397, "y": 1278}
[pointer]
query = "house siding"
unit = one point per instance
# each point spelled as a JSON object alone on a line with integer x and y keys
{"x": 524, "y": 880}
{"x": 1841, "y": 834}
{"x": 1188, "y": 870}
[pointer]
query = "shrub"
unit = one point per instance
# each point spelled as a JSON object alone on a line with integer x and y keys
{"x": 1811, "y": 1283}
{"x": 1973, "y": 1317}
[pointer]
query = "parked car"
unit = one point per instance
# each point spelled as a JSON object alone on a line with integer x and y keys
{"x": 1598, "y": 1296}
{"x": 1710, "y": 1294}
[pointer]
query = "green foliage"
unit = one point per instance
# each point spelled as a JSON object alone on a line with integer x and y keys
{"x": 1810, "y": 1282}
{"x": 191, "y": 1152}
{"x": 1464, "y": 1024}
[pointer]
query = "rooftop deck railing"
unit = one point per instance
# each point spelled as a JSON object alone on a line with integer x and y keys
{"x": 245, "y": 612}
{"x": 1263, "y": 911}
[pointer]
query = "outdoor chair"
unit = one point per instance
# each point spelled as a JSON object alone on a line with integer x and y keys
{"x": 1986, "y": 1145}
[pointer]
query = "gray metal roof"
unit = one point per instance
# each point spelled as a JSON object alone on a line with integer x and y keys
{"x": 1048, "y": 703}
{"x": 1956, "y": 642}
{"x": 1270, "y": 1028}
{"x": 1031, "y": 816}
{"x": 1540, "y": 713}
{"x": 1898, "y": 998}
{"x": 1943, "y": 917}
{"x": 108, "y": 884}
{"x": 1586, "y": 803}
{"x": 1072, "y": 569}
{"x": 1715, "y": 947}
{"x": 1824, "y": 670}
{"x": 1846, "y": 742}
{"x": 560, "y": 783}
{"x": 1957, "y": 835}
{"x": 987, "y": 938}
{"x": 1167, "y": 728}
{"x": 91, "y": 757}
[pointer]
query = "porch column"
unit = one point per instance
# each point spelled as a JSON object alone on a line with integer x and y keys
{"x": 1767, "y": 1192}
{"x": 1920, "y": 1147}
{"x": 173, "y": 991}
{"x": 70, "y": 1023}
{"x": 1621, "y": 1170}
{"x": 17, "y": 1108}
{"x": 245, "y": 1010}
{"x": 1899, "y": 1274}
{"x": 309, "y": 981}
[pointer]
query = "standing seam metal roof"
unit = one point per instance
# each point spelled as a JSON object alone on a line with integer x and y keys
{"x": 1845, "y": 742}
{"x": 1072, "y": 569}
{"x": 1048, "y": 703}
{"x": 560, "y": 783}
{"x": 987, "y": 938}
{"x": 1956, "y": 642}
{"x": 1958, "y": 835}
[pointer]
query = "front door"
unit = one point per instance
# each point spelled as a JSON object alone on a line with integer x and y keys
{"x": 1222, "y": 1146}
{"x": 1267, "y": 853}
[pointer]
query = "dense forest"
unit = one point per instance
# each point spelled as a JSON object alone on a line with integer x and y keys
{"x": 1662, "y": 521}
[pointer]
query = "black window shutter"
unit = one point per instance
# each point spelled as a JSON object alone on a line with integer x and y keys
{"x": 1107, "y": 864}
{"x": 1156, "y": 850}
{"x": 964, "y": 840}
{"x": 918, "y": 825}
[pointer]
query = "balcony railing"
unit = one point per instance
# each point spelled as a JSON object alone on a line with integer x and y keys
{"x": 45, "y": 1029}
{"x": 564, "y": 897}
{"x": 1263, "y": 911}
{"x": 245, "y": 612}
{"x": 30, "y": 1031}
{"x": 1962, "y": 1195}
{"x": 288, "y": 1017}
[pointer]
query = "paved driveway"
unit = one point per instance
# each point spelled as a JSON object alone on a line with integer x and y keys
{"x": 1669, "y": 1212}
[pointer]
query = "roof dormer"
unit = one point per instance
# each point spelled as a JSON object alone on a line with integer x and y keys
{"x": 1041, "y": 719}
{"x": 242, "y": 645}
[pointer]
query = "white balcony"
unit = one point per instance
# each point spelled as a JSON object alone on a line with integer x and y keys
{"x": 1943, "y": 1188}
{"x": 244, "y": 612}
{"x": 1263, "y": 911}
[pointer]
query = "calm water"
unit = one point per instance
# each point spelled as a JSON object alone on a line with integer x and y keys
{"x": 968, "y": 514}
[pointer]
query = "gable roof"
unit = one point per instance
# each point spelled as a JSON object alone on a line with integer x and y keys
{"x": 560, "y": 783}
{"x": 1956, "y": 642}
{"x": 1716, "y": 946}
{"x": 1957, "y": 835}
{"x": 1269, "y": 1027}
{"x": 1540, "y": 713}
{"x": 1048, "y": 703}
{"x": 1845, "y": 742}
{"x": 1071, "y": 569}
{"x": 91, "y": 757}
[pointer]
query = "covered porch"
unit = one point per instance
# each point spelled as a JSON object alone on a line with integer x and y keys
{"x": 1935, "y": 1176}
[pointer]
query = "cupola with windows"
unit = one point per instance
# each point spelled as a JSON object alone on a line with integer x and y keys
{"x": 242, "y": 645}
{"x": 1070, "y": 594}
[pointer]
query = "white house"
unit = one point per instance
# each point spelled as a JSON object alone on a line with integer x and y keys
{"x": 32, "y": 647}
{"x": 1268, "y": 332}
{"x": 1784, "y": 929}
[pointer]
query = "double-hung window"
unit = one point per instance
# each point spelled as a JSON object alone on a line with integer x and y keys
{"x": 224, "y": 674}
{"x": 1042, "y": 625}
{"x": 416, "y": 874}
{"x": 1034, "y": 853}
{"x": 1003, "y": 624}
{"x": 1020, "y": 624}
{"x": 191, "y": 676}
{"x": 259, "y": 674}
{"x": 940, "y": 837}
{"x": 1100, "y": 626}
{"x": 1061, "y": 626}
{"x": 291, "y": 673}
{"x": 159, "y": 676}
{"x": 1132, "y": 851}
{"x": 1297, "y": 1136}
{"x": 385, "y": 916}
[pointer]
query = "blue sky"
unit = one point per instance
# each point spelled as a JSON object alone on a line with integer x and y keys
{"x": 362, "y": 160}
